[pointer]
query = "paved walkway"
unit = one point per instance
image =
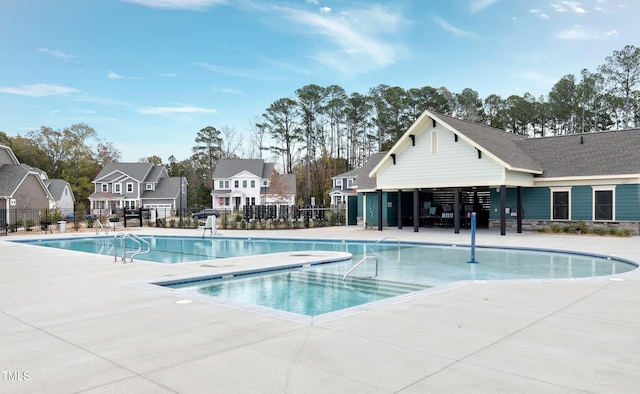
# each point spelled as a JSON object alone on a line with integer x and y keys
{"x": 72, "y": 322}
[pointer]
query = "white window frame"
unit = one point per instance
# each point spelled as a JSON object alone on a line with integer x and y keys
{"x": 105, "y": 188}
{"x": 339, "y": 182}
{"x": 117, "y": 187}
{"x": 349, "y": 183}
{"x": 609, "y": 188}
{"x": 148, "y": 186}
{"x": 561, "y": 190}
{"x": 129, "y": 187}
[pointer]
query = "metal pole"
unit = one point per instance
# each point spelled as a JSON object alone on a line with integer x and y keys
{"x": 473, "y": 239}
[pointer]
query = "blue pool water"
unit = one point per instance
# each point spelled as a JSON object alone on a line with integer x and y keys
{"x": 314, "y": 290}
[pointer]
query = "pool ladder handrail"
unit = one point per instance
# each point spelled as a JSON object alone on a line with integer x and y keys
{"x": 100, "y": 226}
{"x": 384, "y": 239}
{"x": 358, "y": 264}
{"x": 137, "y": 239}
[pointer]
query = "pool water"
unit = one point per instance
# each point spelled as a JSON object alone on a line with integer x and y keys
{"x": 390, "y": 270}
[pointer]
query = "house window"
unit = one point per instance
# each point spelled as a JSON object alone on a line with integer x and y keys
{"x": 226, "y": 184}
{"x": 129, "y": 187}
{"x": 253, "y": 201}
{"x": 349, "y": 183}
{"x": 236, "y": 184}
{"x": 560, "y": 204}
{"x": 434, "y": 141}
{"x": 221, "y": 184}
{"x": 253, "y": 184}
{"x": 244, "y": 184}
{"x": 116, "y": 188}
{"x": 226, "y": 201}
{"x": 603, "y": 204}
{"x": 339, "y": 183}
{"x": 148, "y": 186}
{"x": 105, "y": 188}
{"x": 247, "y": 201}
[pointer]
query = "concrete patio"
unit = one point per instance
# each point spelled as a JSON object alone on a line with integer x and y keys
{"x": 73, "y": 322}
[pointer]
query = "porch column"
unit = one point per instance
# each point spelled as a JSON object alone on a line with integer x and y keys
{"x": 400, "y": 209}
{"x": 416, "y": 210}
{"x": 456, "y": 210}
{"x": 519, "y": 208}
{"x": 379, "y": 191}
{"x": 503, "y": 207}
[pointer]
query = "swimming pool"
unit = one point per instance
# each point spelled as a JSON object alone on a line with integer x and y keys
{"x": 391, "y": 269}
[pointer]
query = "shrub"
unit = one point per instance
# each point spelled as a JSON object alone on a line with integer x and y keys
{"x": 543, "y": 230}
{"x": 624, "y": 233}
{"x": 556, "y": 229}
{"x": 599, "y": 231}
{"x": 28, "y": 224}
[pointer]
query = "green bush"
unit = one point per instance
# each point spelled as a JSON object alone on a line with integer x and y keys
{"x": 599, "y": 231}
{"x": 556, "y": 229}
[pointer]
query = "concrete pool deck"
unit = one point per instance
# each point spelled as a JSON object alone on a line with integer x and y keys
{"x": 73, "y": 322}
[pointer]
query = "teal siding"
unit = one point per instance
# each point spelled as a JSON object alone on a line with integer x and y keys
{"x": 536, "y": 203}
{"x": 511, "y": 201}
{"x": 627, "y": 202}
{"x": 581, "y": 203}
{"x": 371, "y": 217}
{"x": 390, "y": 213}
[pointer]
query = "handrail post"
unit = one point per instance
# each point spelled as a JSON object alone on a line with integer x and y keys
{"x": 473, "y": 239}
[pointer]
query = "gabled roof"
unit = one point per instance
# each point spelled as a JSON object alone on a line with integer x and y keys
{"x": 167, "y": 187}
{"x": 9, "y": 153}
{"x": 13, "y": 175}
{"x": 56, "y": 188}
{"x": 136, "y": 171}
{"x": 604, "y": 153}
{"x": 362, "y": 181}
{"x": 227, "y": 168}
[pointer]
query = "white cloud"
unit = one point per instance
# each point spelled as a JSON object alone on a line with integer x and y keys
{"x": 569, "y": 6}
{"x": 113, "y": 75}
{"x": 314, "y": 2}
{"x": 175, "y": 110}
{"x": 357, "y": 38}
{"x": 478, "y": 5}
{"x": 167, "y": 75}
{"x": 579, "y": 33}
{"x": 228, "y": 90}
{"x": 455, "y": 30}
{"x": 539, "y": 14}
{"x": 325, "y": 10}
{"x": 40, "y": 90}
{"x": 177, "y": 4}
{"x": 55, "y": 53}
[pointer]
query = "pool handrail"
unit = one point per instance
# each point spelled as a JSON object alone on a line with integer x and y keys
{"x": 384, "y": 239}
{"x": 137, "y": 239}
{"x": 100, "y": 226}
{"x": 360, "y": 262}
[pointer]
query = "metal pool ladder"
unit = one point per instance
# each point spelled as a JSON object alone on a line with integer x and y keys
{"x": 372, "y": 257}
{"x": 137, "y": 239}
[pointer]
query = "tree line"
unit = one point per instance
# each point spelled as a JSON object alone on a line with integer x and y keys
{"x": 321, "y": 132}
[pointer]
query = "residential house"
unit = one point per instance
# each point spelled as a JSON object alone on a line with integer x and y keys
{"x": 63, "y": 200}
{"x": 342, "y": 188}
{"x": 446, "y": 168}
{"x": 243, "y": 182}
{"x": 130, "y": 186}
{"x": 22, "y": 190}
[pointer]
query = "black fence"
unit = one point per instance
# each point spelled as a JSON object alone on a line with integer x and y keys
{"x": 249, "y": 217}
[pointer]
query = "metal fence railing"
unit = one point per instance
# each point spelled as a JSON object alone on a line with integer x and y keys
{"x": 247, "y": 217}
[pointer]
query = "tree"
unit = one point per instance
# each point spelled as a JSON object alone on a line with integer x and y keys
{"x": 562, "y": 98}
{"x": 207, "y": 151}
{"x": 155, "y": 159}
{"x": 468, "y": 105}
{"x": 622, "y": 73}
{"x": 281, "y": 123}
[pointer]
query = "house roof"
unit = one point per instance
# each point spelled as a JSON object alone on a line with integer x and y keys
{"x": 56, "y": 188}
{"x": 13, "y": 175}
{"x": 288, "y": 183}
{"x": 137, "y": 171}
{"x": 362, "y": 181}
{"x": 227, "y": 168}
{"x": 167, "y": 187}
{"x": 587, "y": 154}
{"x": 9, "y": 153}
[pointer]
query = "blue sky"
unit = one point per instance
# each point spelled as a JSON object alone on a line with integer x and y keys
{"x": 148, "y": 74}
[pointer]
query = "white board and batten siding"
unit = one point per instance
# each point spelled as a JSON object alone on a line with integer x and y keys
{"x": 447, "y": 164}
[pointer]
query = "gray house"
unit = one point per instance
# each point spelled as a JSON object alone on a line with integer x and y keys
{"x": 130, "y": 186}
{"x": 444, "y": 168}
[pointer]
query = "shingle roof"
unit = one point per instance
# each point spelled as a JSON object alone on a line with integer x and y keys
{"x": 501, "y": 144}
{"x": 226, "y": 168}
{"x": 168, "y": 187}
{"x": 56, "y": 188}
{"x": 137, "y": 171}
{"x": 587, "y": 154}
{"x": 11, "y": 175}
{"x": 362, "y": 181}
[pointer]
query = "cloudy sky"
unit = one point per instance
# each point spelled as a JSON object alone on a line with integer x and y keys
{"x": 148, "y": 74}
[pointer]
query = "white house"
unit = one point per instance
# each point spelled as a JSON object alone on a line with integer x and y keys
{"x": 242, "y": 182}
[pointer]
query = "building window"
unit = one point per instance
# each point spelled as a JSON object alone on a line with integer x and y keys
{"x": 129, "y": 187}
{"x": 339, "y": 183}
{"x": 560, "y": 204}
{"x": 247, "y": 201}
{"x": 603, "y": 204}
{"x": 116, "y": 187}
{"x": 148, "y": 186}
{"x": 434, "y": 141}
{"x": 226, "y": 184}
{"x": 253, "y": 201}
{"x": 105, "y": 188}
{"x": 253, "y": 184}
{"x": 226, "y": 201}
{"x": 349, "y": 183}
{"x": 236, "y": 184}
{"x": 244, "y": 184}
{"x": 221, "y": 184}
